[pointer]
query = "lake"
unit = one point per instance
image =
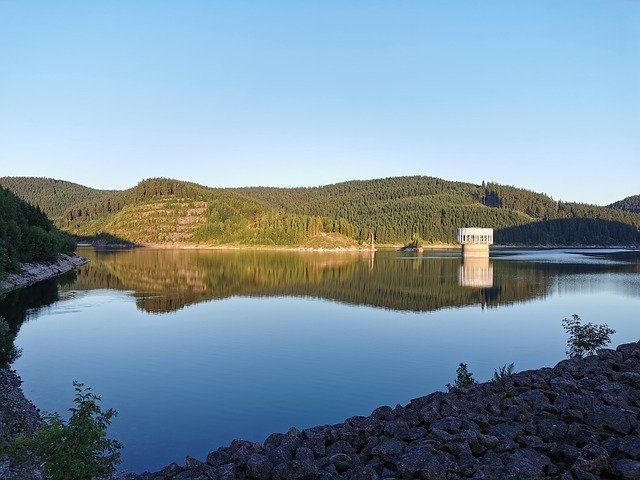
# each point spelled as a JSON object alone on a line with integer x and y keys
{"x": 195, "y": 348}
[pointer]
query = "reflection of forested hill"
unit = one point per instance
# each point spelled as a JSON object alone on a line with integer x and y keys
{"x": 166, "y": 280}
{"x": 16, "y": 306}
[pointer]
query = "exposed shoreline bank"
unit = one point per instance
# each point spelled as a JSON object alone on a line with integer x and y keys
{"x": 17, "y": 415}
{"x": 577, "y": 420}
{"x": 36, "y": 272}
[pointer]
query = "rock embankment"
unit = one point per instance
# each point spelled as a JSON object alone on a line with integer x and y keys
{"x": 36, "y": 272}
{"x": 17, "y": 415}
{"x": 577, "y": 420}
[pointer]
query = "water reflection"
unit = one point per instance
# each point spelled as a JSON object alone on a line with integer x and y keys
{"x": 168, "y": 280}
{"x": 287, "y": 346}
{"x": 475, "y": 272}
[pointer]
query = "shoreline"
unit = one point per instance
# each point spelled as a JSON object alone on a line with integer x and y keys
{"x": 577, "y": 420}
{"x": 35, "y": 272}
{"x": 275, "y": 248}
{"x": 364, "y": 249}
{"x": 18, "y": 415}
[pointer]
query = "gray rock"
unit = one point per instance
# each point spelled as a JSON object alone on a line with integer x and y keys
{"x": 593, "y": 459}
{"x": 626, "y": 469}
{"x": 341, "y": 461}
{"x": 304, "y": 453}
{"x": 341, "y": 446}
{"x": 631, "y": 377}
{"x": 488, "y": 441}
{"x": 227, "y": 472}
{"x": 551, "y": 430}
{"x": 388, "y": 449}
{"x": 507, "y": 430}
{"x": 259, "y": 467}
{"x": 296, "y": 470}
{"x": 526, "y": 463}
{"x": 448, "y": 424}
{"x": 171, "y": 470}
{"x": 564, "y": 384}
{"x": 219, "y": 457}
{"x": 194, "y": 464}
{"x": 631, "y": 446}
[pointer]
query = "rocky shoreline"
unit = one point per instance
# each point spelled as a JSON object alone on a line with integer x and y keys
{"x": 17, "y": 415}
{"x": 578, "y": 420}
{"x": 36, "y": 272}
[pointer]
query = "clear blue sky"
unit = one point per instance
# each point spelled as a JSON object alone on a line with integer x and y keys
{"x": 539, "y": 94}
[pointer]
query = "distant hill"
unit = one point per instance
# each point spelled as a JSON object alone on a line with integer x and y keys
{"x": 401, "y": 208}
{"x": 395, "y": 210}
{"x": 53, "y": 197}
{"x": 165, "y": 211}
{"x": 629, "y": 204}
{"x": 26, "y": 234}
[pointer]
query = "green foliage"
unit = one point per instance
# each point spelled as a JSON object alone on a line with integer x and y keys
{"x": 503, "y": 374}
{"x": 399, "y": 208}
{"x": 77, "y": 449}
{"x": 464, "y": 378}
{"x": 53, "y": 197}
{"x": 170, "y": 211}
{"x": 9, "y": 353}
{"x": 27, "y": 235}
{"x": 393, "y": 209}
{"x": 415, "y": 243}
{"x": 585, "y": 339}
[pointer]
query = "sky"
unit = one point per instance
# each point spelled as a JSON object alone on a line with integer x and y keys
{"x": 540, "y": 94}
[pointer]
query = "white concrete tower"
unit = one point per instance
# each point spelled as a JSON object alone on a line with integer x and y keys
{"x": 475, "y": 241}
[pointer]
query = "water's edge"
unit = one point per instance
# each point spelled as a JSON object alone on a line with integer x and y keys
{"x": 579, "y": 419}
{"x": 17, "y": 415}
{"x": 32, "y": 273}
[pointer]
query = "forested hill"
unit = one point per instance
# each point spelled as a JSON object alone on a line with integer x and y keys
{"x": 27, "y": 235}
{"x": 629, "y": 204}
{"x": 395, "y": 210}
{"x": 52, "y": 196}
{"x": 401, "y": 208}
{"x": 171, "y": 211}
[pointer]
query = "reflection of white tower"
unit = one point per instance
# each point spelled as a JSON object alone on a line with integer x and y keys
{"x": 372, "y": 258}
{"x": 476, "y": 272}
{"x": 475, "y": 241}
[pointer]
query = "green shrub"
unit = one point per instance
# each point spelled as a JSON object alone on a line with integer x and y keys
{"x": 585, "y": 339}
{"x": 464, "y": 378}
{"x": 77, "y": 449}
{"x": 503, "y": 374}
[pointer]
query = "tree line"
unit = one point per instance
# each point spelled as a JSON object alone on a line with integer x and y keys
{"x": 52, "y": 196}
{"x": 395, "y": 210}
{"x": 27, "y": 235}
{"x": 630, "y": 204}
{"x": 399, "y": 209}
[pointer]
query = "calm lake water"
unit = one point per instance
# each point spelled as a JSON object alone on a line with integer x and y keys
{"x": 196, "y": 348}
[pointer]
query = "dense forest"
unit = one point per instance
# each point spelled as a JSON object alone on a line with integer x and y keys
{"x": 403, "y": 208}
{"x": 53, "y": 197}
{"x": 394, "y": 210}
{"x": 630, "y": 204}
{"x": 27, "y": 235}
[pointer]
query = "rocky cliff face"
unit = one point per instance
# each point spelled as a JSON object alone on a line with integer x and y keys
{"x": 36, "y": 272}
{"x": 577, "y": 420}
